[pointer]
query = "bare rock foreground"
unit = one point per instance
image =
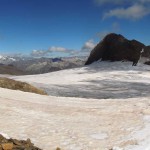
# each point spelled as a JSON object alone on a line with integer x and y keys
{"x": 14, "y": 144}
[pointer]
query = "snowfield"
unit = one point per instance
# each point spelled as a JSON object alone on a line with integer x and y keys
{"x": 100, "y": 107}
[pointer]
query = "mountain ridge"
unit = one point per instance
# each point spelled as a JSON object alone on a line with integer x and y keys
{"x": 115, "y": 47}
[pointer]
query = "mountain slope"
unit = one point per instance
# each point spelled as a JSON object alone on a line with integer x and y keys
{"x": 10, "y": 69}
{"x": 17, "y": 85}
{"x": 115, "y": 47}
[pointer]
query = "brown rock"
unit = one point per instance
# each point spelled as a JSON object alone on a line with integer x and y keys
{"x": 7, "y": 146}
{"x": 29, "y": 142}
{"x": 1, "y": 147}
{"x": 16, "y": 142}
{"x": 1, "y": 138}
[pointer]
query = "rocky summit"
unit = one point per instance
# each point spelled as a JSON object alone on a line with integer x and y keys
{"x": 14, "y": 144}
{"x": 115, "y": 47}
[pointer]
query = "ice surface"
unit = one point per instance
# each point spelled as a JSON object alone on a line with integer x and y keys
{"x": 84, "y": 104}
{"x": 99, "y": 136}
{"x": 102, "y": 80}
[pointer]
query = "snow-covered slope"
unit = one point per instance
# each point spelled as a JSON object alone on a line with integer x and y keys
{"x": 6, "y": 59}
{"x": 75, "y": 123}
{"x": 100, "y": 80}
{"x": 116, "y": 113}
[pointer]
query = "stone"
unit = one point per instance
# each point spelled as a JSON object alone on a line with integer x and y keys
{"x": 14, "y": 144}
{"x": 7, "y": 146}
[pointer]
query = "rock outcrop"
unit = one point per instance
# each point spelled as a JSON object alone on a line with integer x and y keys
{"x": 10, "y": 69}
{"x": 17, "y": 85}
{"x": 115, "y": 47}
{"x": 146, "y": 52}
{"x": 14, "y": 144}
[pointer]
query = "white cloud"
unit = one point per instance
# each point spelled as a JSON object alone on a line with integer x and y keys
{"x": 57, "y": 49}
{"x": 61, "y": 51}
{"x": 126, "y": 9}
{"x": 144, "y": 1}
{"x": 38, "y": 53}
{"x": 89, "y": 45}
{"x": 52, "y": 50}
{"x": 121, "y": 2}
{"x": 134, "y": 12}
{"x": 115, "y": 2}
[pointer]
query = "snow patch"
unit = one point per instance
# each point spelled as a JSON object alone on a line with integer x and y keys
{"x": 117, "y": 148}
{"x": 99, "y": 136}
{"x": 4, "y": 135}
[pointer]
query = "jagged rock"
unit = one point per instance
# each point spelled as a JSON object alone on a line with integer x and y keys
{"x": 115, "y": 47}
{"x": 14, "y": 144}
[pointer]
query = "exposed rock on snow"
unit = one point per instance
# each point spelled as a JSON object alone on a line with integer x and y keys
{"x": 115, "y": 47}
{"x": 17, "y": 85}
{"x": 14, "y": 144}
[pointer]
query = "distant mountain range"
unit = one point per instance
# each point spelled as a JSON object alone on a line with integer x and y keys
{"x": 28, "y": 65}
{"x": 11, "y": 70}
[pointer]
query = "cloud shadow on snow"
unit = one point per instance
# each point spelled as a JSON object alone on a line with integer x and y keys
{"x": 100, "y": 89}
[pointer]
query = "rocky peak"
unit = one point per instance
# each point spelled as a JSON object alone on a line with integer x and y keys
{"x": 115, "y": 47}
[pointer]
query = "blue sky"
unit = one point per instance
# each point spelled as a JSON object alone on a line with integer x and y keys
{"x": 69, "y": 27}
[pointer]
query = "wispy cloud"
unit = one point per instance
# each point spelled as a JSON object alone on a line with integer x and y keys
{"x": 126, "y": 9}
{"x": 134, "y": 12}
{"x": 114, "y": 28}
{"x": 114, "y": 2}
{"x": 58, "y": 49}
{"x": 52, "y": 50}
{"x": 38, "y": 53}
{"x": 61, "y": 51}
{"x": 121, "y": 2}
{"x": 89, "y": 45}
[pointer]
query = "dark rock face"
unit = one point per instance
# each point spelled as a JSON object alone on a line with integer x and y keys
{"x": 146, "y": 52}
{"x": 115, "y": 47}
{"x": 147, "y": 63}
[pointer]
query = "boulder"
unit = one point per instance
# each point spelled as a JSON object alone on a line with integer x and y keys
{"x": 115, "y": 47}
{"x": 14, "y": 144}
